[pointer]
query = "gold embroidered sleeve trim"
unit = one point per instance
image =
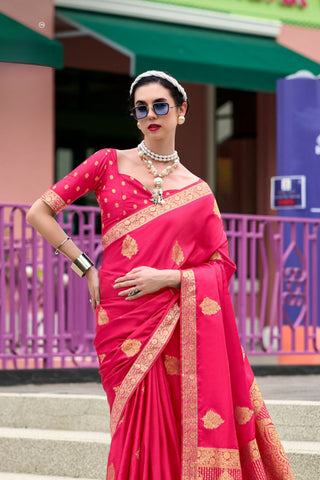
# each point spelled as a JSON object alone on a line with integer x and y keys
{"x": 142, "y": 364}
{"x": 189, "y": 375}
{"x": 54, "y": 201}
{"x": 146, "y": 215}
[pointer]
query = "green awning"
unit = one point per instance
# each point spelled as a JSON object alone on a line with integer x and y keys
{"x": 20, "y": 44}
{"x": 194, "y": 54}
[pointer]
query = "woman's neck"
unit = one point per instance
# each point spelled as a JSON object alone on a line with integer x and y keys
{"x": 162, "y": 147}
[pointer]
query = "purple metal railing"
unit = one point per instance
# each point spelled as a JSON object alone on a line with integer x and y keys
{"x": 46, "y": 320}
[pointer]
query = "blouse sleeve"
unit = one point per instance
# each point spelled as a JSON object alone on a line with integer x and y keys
{"x": 89, "y": 175}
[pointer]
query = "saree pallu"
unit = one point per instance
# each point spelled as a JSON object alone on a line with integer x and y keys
{"x": 184, "y": 402}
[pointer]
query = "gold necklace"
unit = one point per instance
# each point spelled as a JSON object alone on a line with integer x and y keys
{"x": 157, "y": 193}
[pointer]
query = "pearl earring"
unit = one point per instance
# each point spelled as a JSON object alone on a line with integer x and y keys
{"x": 181, "y": 120}
{"x": 138, "y": 125}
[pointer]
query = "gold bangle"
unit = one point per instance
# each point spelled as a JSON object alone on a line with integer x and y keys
{"x": 62, "y": 243}
{"x": 81, "y": 264}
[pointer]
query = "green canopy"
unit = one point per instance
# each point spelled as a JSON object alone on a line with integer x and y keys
{"x": 194, "y": 54}
{"x": 20, "y": 44}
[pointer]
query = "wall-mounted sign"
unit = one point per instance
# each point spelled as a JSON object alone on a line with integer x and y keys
{"x": 288, "y": 3}
{"x": 305, "y": 13}
{"x": 288, "y": 192}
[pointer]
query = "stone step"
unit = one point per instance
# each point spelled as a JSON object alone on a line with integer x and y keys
{"x": 42, "y": 455}
{"x": 295, "y": 419}
{"x": 54, "y": 411}
{"x": 26, "y": 476}
{"x": 77, "y": 454}
{"x": 304, "y": 459}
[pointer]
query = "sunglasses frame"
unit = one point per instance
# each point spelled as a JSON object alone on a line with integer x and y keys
{"x": 147, "y": 110}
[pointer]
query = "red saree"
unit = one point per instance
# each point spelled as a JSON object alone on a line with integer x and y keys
{"x": 183, "y": 399}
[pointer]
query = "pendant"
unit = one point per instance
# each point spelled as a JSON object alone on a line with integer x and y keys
{"x": 157, "y": 196}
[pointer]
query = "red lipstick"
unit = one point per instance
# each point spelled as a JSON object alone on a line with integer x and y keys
{"x": 153, "y": 127}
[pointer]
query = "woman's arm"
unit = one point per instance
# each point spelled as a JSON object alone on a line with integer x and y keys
{"x": 41, "y": 217}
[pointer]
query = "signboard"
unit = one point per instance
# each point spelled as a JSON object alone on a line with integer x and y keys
{"x": 288, "y": 192}
{"x": 297, "y": 12}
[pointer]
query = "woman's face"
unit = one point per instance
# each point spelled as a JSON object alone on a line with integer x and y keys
{"x": 155, "y": 126}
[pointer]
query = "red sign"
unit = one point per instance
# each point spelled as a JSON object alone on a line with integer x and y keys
{"x": 289, "y": 3}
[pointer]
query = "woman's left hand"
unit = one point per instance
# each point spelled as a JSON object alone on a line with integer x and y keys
{"x": 146, "y": 280}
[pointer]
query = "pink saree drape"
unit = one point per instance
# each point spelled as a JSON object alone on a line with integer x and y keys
{"x": 184, "y": 402}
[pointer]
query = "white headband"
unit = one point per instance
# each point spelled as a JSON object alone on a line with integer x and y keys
{"x": 164, "y": 75}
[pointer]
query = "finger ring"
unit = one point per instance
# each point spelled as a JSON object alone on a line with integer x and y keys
{"x": 133, "y": 291}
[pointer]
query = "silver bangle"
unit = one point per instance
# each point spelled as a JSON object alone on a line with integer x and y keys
{"x": 62, "y": 243}
{"x": 81, "y": 264}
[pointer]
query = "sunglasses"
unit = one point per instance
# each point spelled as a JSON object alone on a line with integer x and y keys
{"x": 159, "y": 108}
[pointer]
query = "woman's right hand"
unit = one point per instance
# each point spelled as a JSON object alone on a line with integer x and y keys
{"x": 94, "y": 286}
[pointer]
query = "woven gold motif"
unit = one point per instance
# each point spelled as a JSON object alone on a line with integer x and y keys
{"x": 256, "y": 398}
{"x": 102, "y": 356}
{"x": 131, "y": 347}
{"x": 177, "y": 254}
{"x": 226, "y": 476}
{"x": 111, "y": 474}
{"x": 218, "y": 458}
{"x": 129, "y": 247}
{"x": 146, "y": 215}
{"x": 102, "y": 317}
{"x": 209, "y": 306}
{"x": 216, "y": 256}
{"x": 216, "y": 209}
{"x": 138, "y": 454}
{"x": 212, "y": 420}
{"x": 172, "y": 365}
{"x": 54, "y": 201}
{"x": 116, "y": 389}
{"x": 243, "y": 353}
{"x": 243, "y": 415}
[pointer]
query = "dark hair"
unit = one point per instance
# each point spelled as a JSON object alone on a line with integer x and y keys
{"x": 176, "y": 95}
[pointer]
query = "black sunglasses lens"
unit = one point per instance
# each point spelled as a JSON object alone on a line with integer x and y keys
{"x": 140, "y": 112}
{"x": 161, "y": 108}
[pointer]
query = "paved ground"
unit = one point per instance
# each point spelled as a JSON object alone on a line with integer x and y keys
{"x": 306, "y": 387}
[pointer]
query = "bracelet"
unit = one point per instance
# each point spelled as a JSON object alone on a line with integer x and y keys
{"x": 62, "y": 243}
{"x": 81, "y": 264}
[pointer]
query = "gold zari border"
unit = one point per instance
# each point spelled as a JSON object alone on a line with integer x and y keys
{"x": 54, "y": 201}
{"x": 143, "y": 363}
{"x": 148, "y": 214}
{"x": 218, "y": 458}
{"x": 189, "y": 375}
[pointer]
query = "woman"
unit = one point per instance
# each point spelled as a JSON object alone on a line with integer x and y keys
{"x": 183, "y": 399}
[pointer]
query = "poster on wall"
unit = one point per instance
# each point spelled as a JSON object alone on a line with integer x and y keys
{"x": 288, "y": 191}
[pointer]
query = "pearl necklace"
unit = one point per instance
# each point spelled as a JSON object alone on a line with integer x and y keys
{"x": 155, "y": 156}
{"x": 157, "y": 193}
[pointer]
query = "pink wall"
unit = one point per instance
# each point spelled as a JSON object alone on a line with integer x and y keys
{"x": 32, "y": 13}
{"x": 305, "y": 41}
{"x": 26, "y": 115}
